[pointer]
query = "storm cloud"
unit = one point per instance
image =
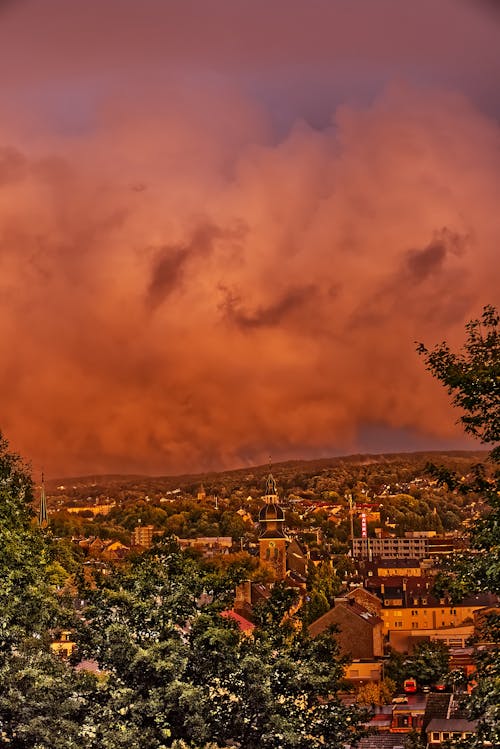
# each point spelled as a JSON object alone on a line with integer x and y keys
{"x": 191, "y": 279}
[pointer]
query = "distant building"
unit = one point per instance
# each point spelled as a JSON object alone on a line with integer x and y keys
{"x": 94, "y": 509}
{"x": 62, "y": 643}
{"x": 209, "y": 546}
{"x": 273, "y": 541}
{"x": 414, "y": 545}
{"x": 142, "y": 535}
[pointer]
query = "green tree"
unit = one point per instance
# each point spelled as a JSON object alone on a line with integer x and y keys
{"x": 376, "y": 694}
{"x": 178, "y": 670}
{"x": 429, "y": 663}
{"x": 42, "y": 701}
{"x": 472, "y": 378}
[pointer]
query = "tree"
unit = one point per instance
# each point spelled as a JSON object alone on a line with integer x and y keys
{"x": 472, "y": 378}
{"x": 429, "y": 664}
{"x": 376, "y": 694}
{"x": 178, "y": 670}
{"x": 42, "y": 701}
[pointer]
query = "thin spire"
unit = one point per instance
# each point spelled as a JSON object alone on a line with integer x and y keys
{"x": 42, "y": 513}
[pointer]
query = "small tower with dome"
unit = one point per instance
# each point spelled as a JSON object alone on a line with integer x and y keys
{"x": 272, "y": 540}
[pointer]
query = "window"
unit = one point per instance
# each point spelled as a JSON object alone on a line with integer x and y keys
{"x": 445, "y": 736}
{"x": 414, "y": 625}
{"x": 435, "y": 736}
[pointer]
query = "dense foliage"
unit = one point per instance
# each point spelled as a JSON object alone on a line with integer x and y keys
{"x": 472, "y": 377}
{"x": 174, "y": 670}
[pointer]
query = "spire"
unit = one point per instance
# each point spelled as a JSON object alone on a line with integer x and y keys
{"x": 42, "y": 513}
{"x": 271, "y": 490}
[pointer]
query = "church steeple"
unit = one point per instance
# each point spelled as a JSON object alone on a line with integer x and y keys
{"x": 42, "y": 512}
{"x": 271, "y": 490}
{"x": 272, "y": 541}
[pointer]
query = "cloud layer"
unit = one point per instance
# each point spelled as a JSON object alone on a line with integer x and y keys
{"x": 223, "y": 226}
{"x": 171, "y": 300}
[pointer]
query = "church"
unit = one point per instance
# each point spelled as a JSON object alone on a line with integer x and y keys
{"x": 272, "y": 540}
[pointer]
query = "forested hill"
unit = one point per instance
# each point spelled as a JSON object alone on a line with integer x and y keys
{"x": 340, "y": 474}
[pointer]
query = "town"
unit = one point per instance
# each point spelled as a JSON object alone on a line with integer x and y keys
{"x": 361, "y": 543}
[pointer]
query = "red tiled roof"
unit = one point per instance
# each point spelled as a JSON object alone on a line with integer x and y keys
{"x": 243, "y": 624}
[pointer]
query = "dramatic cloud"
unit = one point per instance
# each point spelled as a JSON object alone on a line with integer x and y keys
{"x": 189, "y": 281}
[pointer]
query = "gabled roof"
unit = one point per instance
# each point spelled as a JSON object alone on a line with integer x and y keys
{"x": 460, "y": 725}
{"x": 243, "y": 624}
{"x": 353, "y": 608}
{"x": 437, "y": 707}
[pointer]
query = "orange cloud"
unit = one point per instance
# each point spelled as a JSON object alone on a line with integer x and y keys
{"x": 174, "y": 300}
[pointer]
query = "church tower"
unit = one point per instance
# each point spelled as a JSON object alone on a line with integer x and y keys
{"x": 272, "y": 541}
{"x": 43, "y": 519}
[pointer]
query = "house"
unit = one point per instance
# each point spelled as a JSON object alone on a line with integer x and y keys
{"x": 297, "y": 558}
{"x": 62, "y": 643}
{"x": 359, "y": 630}
{"x": 409, "y": 604}
{"x": 366, "y": 599}
{"x": 440, "y": 730}
{"x": 410, "y": 716}
{"x": 445, "y": 719}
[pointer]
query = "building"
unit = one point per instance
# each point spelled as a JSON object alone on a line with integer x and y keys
{"x": 409, "y": 604}
{"x": 297, "y": 558}
{"x": 404, "y": 640}
{"x": 445, "y": 719}
{"x": 62, "y": 643}
{"x": 272, "y": 540}
{"x": 359, "y": 630}
{"x": 410, "y": 716}
{"x": 208, "y": 546}
{"x": 413, "y": 546}
{"x": 142, "y": 535}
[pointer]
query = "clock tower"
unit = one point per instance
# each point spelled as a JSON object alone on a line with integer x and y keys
{"x": 272, "y": 541}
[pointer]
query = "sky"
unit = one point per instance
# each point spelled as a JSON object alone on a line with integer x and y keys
{"x": 225, "y": 224}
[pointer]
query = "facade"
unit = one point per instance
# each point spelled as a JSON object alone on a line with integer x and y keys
{"x": 409, "y": 604}
{"x": 142, "y": 535}
{"x": 359, "y": 631}
{"x": 209, "y": 546}
{"x": 273, "y": 541}
{"x": 412, "y": 546}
